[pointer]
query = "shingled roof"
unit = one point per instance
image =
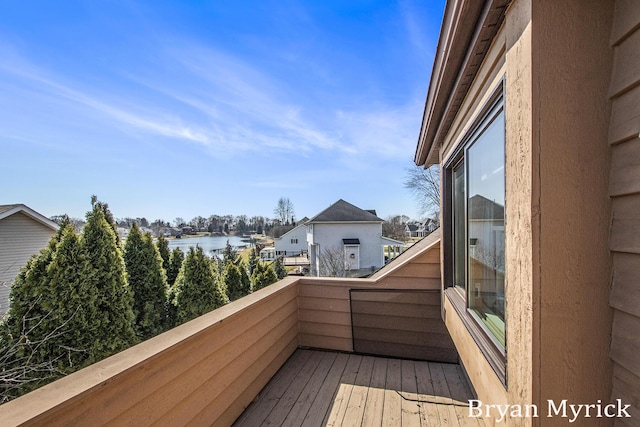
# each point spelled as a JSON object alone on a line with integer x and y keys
{"x": 342, "y": 211}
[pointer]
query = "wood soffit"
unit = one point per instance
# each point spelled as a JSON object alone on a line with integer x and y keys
{"x": 468, "y": 29}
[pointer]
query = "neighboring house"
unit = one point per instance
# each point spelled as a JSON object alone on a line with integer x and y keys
{"x": 411, "y": 230}
{"x": 533, "y": 114}
{"x": 293, "y": 242}
{"x": 351, "y": 235}
{"x": 23, "y": 233}
{"x": 268, "y": 254}
{"x": 427, "y": 227}
{"x": 421, "y": 229}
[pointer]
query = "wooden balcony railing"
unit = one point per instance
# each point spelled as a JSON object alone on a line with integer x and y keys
{"x": 207, "y": 371}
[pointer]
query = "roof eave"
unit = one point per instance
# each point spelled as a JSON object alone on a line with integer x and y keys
{"x": 31, "y": 214}
{"x": 467, "y": 31}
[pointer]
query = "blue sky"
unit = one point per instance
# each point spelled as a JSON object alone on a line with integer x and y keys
{"x": 170, "y": 109}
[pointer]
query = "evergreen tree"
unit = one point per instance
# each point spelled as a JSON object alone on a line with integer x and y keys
{"x": 163, "y": 250}
{"x": 236, "y": 282}
{"x": 263, "y": 276}
{"x": 244, "y": 279}
{"x": 114, "y": 301}
{"x": 108, "y": 216}
{"x": 74, "y": 310}
{"x": 256, "y": 276}
{"x": 175, "y": 264}
{"x": 196, "y": 290}
{"x": 269, "y": 277}
{"x": 229, "y": 255}
{"x": 254, "y": 259}
{"x": 147, "y": 282}
{"x": 26, "y": 325}
{"x": 48, "y": 331}
{"x": 31, "y": 286}
{"x": 278, "y": 268}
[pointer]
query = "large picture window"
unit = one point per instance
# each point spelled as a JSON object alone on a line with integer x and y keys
{"x": 475, "y": 218}
{"x": 485, "y": 228}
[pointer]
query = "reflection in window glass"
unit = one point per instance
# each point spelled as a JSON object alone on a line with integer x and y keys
{"x": 485, "y": 227}
{"x": 458, "y": 226}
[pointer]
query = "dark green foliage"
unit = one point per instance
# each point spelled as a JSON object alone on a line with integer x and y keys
{"x": 244, "y": 279}
{"x": 114, "y": 301}
{"x": 49, "y": 330}
{"x": 278, "y": 268}
{"x": 147, "y": 282}
{"x": 175, "y": 264}
{"x": 163, "y": 250}
{"x": 73, "y": 308}
{"x": 22, "y": 331}
{"x": 236, "y": 280}
{"x": 108, "y": 216}
{"x": 254, "y": 259}
{"x": 263, "y": 276}
{"x": 196, "y": 290}
{"x": 230, "y": 255}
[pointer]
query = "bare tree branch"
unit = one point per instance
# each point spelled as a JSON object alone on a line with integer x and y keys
{"x": 332, "y": 262}
{"x": 424, "y": 185}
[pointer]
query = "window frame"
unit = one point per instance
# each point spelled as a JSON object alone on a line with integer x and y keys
{"x": 494, "y": 352}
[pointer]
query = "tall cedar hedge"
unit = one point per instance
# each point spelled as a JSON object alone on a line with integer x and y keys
{"x": 175, "y": 264}
{"x": 114, "y": 299}
{"x": 236, "y": 280}
{"x": 197, "y": 290}
{"x": 147, "y": 282}
{"x": 163, "y": 250}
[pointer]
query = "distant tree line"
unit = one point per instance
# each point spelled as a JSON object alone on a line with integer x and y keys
{"x": 87, "y": 296}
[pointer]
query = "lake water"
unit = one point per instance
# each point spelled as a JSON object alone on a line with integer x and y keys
{"x": 209, "y": 245}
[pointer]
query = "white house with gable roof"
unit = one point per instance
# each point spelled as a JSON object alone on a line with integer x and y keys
{"x": 293, "y": 242}
{"x": 352, "y": 236}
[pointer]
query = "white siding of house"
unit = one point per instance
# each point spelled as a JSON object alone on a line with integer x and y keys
{"x": 283, "y": 243}
{"x": 20, "y": 238}
{"x": 331, "y": 234}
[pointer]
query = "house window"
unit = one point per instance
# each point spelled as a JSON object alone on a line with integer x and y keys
{"x": 474, "y": 213}
{"x": 294, "y": 241}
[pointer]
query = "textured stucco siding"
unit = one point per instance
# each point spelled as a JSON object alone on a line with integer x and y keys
{"x": 557, "y": 213}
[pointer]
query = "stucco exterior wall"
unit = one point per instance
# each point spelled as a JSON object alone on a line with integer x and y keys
{"x": 555, "y": 62}
{"x": 571, "y": 70}
{"x": 20, "y": 238}
{"x": 522, "y": 208}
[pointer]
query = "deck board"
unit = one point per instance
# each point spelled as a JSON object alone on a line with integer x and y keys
{"x": 323, "y": 388}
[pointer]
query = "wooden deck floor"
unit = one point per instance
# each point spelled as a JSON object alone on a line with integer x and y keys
{"x": 322, "y": 388}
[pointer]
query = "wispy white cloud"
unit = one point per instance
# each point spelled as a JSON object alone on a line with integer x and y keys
{"x": 229, "y": 106}
{"x": 164, "y": 126}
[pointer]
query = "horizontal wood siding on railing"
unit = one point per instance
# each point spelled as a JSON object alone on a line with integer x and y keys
{"x": 204, "y": 372}
{"x": 207, "y": 371}
{"x": 324, "y": 303}
{"x": 401, "y": 323}
{"x": 624, "y": 189}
